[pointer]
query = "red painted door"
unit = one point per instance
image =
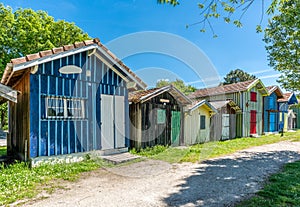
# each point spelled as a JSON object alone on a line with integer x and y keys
{"x": 252, "y": 122}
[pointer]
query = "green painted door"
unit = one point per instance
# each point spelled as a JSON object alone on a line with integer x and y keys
{"x": 175, "y": 131}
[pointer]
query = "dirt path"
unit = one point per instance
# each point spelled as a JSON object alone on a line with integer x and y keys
{"x": 217, "y": 182}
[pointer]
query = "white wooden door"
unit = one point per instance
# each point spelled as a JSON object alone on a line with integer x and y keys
{"x": 107, "y": 122}
{"x": 225, "y": 126}
{"x": 120, "y": 121}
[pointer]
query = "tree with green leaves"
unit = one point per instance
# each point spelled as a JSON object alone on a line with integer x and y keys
{"x": 282, "y": 34}
{"x": 25, "y": 31}
{"x": 179, "y": 84}
{"x": 237, "y": 75}
{"x": 282, "y": 37}
{"x": 231, "y": 11}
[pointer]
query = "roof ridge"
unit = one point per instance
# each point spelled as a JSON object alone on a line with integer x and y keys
{"x": 34, "y": 56}
{"x": 223, "y": 89}
{"x": 55, "y": 50}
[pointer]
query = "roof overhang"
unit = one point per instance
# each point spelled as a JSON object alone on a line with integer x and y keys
{"x": 7, "y": 94}
{"x": 203, "y": 103}
{"x": 277, "y": 90}
{"x": 291, "y": 96}
{"x": 220, "y": 104}
{"x": 12, "y": 68}
{"x": 178, "y": 95}
{"x": 260, "y": 87}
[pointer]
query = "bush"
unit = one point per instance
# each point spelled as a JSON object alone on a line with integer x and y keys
{"x": 149, "y": 151}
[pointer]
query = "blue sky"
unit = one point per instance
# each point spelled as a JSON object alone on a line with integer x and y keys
{"x": 234, "y": 48}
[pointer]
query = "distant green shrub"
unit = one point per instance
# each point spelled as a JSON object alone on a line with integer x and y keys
{"x": 149, "y": 151}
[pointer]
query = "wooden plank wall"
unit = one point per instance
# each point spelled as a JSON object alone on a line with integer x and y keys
{"x": 54, "y": 136}
{"x": 145, "y": 131}
{"x": 192, "y": 132}
{"x": 270, "y": 118}
{"x": 216, "y": 127}
{"x": 232, "y": 130}
{"x": 243, "y": 119}
{"x": 297, "y": 112}
{"x": 239, "y": 99}
{"x": 19, "y": 120}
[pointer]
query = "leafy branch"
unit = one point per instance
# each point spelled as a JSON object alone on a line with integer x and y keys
{"x": 214, "y": 8}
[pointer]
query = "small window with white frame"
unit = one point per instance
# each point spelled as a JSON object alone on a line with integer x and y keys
{"x": 75, "y": 108}
{"x": 60, "y": 107}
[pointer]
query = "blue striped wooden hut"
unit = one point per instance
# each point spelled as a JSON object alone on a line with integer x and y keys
{"x": 288, "y": 100}
{"x": 271, "y": 112}
{"x": 70, "y": 99}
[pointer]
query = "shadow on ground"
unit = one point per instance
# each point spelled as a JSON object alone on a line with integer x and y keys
{"x": 224, "y": 181}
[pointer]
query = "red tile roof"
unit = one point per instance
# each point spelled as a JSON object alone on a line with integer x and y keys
{"x": 286, "y": 97}
{"x": 8, "y": 70}
{"x": 136, "y": 96}
{"x": 53, "y": 51}
{"x": 275, "y": 89}
{"x": 224, "y": 89}
{"x": 269, "y": 88}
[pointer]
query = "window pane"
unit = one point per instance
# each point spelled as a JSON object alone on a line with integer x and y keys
{"x": 60, "y": 107}
{"x": 253, "y": 96}
{"x": 161, "y": 116}
{"x": 56, "y": 108}
{"x": 51, "y": 107}
{"x": 202, "y": 122}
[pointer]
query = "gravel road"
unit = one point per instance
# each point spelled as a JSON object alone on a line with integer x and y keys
{"x": 216, "y": 182}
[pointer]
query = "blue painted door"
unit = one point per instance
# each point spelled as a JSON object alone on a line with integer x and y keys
{"x": 273, "y": 121}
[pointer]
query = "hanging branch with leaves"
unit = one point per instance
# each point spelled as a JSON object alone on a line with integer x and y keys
{"x": 227, "y": 10}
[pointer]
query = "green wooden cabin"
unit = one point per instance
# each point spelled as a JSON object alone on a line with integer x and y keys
{"x": 248, "y": 96}
{"x": 156, "y": 117}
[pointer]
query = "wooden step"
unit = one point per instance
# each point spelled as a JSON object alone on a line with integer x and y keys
{"x": 120, "y": 158}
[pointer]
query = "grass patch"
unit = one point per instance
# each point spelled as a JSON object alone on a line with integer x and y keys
{"x": 159, "y": 152}
{"x": 209, "y": 150}
{"x": 19, "y": 181}
{"x": 149, "y": 151}
{"x": 282, "y": 189}
{"x": 171, "y": 155}
{"x": 2, "y": 151}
